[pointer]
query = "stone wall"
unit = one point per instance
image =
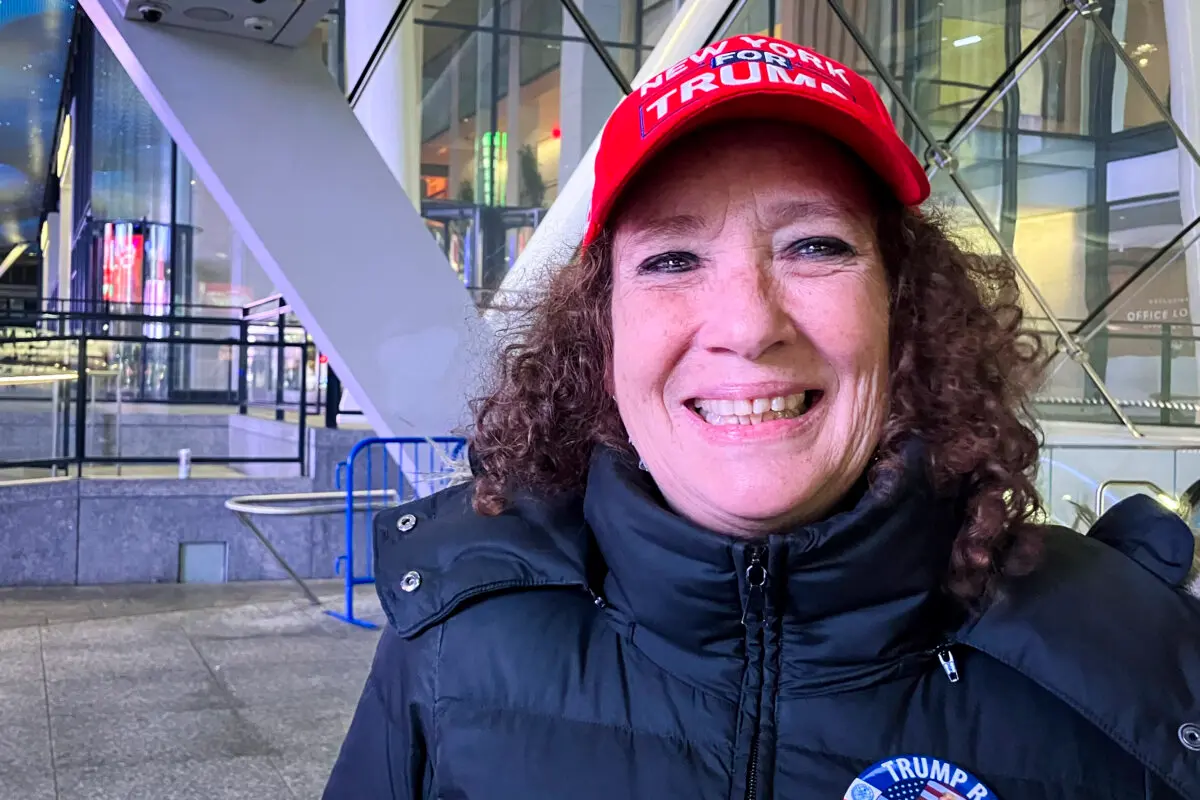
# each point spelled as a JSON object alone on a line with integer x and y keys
{"x": 129, "y": 529}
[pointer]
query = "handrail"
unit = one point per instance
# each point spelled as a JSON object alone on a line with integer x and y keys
{"x": 282, "y": 309}
{"x": 55, "y": 377}
{"x": 254, "y": 503}
{"x": 1106, "y": 485}
{"x": 260, "y": 505}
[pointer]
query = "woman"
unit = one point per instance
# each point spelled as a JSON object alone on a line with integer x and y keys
{"x": 753, "y": 504}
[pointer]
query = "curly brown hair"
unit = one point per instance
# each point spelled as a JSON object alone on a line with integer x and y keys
{"x": 961, "y": 374}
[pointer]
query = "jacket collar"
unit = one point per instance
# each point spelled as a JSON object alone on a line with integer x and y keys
{"x": 852, "y": 596}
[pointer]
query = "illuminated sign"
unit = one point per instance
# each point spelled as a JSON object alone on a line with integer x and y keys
{"x": 492, "y": 167}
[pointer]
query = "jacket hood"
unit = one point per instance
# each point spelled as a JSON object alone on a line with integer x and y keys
{"x": 1154, "y": 537}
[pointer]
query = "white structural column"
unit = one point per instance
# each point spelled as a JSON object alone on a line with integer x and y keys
{"x": 1183, "y": 40}
{"x": 562, "y": 228}
{"x": 51, "y": 252}
{"x": 274, "y": 141}
{"x": 389, "y": 106}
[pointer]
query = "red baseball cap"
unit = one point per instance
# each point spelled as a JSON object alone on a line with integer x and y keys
{"x": 750, "y": 77}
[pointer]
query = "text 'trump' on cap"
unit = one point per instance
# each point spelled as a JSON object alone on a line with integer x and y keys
{"x": 751, "y": 77}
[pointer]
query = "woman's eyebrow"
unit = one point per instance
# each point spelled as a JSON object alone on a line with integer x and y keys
{"x": 672, "y": 226}
{"x": 784, "y": 212}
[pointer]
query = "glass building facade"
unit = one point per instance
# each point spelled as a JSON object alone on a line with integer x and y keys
{"x": 1055, "y": 132}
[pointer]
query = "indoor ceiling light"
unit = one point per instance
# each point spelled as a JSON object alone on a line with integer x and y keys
{"x": 967, "y": 40}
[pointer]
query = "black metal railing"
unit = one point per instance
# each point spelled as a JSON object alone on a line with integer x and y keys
{"x": 122, "y": 387}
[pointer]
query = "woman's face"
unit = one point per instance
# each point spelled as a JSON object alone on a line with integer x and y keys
{"x": 750, "y": 326}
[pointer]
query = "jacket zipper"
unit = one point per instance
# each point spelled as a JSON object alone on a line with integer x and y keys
{"x": 944, "y": 653}
{"x": 754, "y": 615}
{"x": 945, "y": 657}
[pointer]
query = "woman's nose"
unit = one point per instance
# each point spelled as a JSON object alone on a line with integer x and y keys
{"x": 745, "y": 314}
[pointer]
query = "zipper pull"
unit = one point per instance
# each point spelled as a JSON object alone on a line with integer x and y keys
{"x": 756, "y": 579}
{"x": 946, "y": 658}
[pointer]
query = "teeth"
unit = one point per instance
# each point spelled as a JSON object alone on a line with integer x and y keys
{"x": 755, "y": 410}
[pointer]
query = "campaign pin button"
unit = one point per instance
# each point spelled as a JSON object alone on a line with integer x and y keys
{"x": 916, "y": 777}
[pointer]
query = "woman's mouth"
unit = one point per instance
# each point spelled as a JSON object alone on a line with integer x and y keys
{"x": 754, "y": 411}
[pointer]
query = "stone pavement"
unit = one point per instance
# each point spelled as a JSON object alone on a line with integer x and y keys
{"x": 175, "y": 692}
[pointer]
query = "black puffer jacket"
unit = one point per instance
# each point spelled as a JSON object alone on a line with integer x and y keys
{"x": 609, "y": 649}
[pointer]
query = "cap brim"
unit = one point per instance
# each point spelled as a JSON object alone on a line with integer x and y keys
{"x": 884, "y": 154}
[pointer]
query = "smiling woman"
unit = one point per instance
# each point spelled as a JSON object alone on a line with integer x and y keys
{"x": 753, "y": 512}
{"x": 775, "y": 294}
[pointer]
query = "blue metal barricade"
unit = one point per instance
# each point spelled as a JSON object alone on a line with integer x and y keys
{"x": 425, "y": 466}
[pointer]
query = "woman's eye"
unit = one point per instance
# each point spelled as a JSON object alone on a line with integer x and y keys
{"x": 668, "y": 262}
{"x": 820, "y": 247}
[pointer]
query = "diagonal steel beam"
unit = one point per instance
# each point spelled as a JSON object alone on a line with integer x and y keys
{"x": 597, "y": 44}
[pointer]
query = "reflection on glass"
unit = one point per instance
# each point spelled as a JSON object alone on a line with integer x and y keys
{"x": 1141, "y": 29}
{"x": 816, "y": 25}
{"x": 505, "y": 119}
{"x": 217, "y": 267}
{"x": 1080, "y": 212}
{"x": 131, "y": 150}
{"x": 961, "y": 217}
{"x": 455, "y": 12}
{"x": 1159, "y": 295}
{"x": 511, "y": 97}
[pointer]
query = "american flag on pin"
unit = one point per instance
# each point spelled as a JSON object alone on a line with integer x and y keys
{"x": 920, "y": 789}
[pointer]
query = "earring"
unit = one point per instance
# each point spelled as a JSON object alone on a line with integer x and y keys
{"x": 641, "y": 463}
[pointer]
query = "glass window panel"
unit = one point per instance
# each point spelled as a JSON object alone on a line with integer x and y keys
{"x": 1051, "y": 95}
{"x": 1153, "y": 317}
{"x": 943, "y": 53}
{"x": 970, "y": 231}
{"x": 1077, "y": 222}
{"x": 754, "y": 18}
{"x": 456, "y": 12}
{"x": 216, "y": 268}
{"x": 536, "y": 16}
{"x": 505, "y": 119}
{"x": 614, "y": 21}
{"x": 1159, "y": 296}
{"x": 1068, "y": 394}
{"x": 815, "y": 25}
{"x": 131, "y": 150}
{"x": 656, "y": 16}
{"x": 1141, "y": 28}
